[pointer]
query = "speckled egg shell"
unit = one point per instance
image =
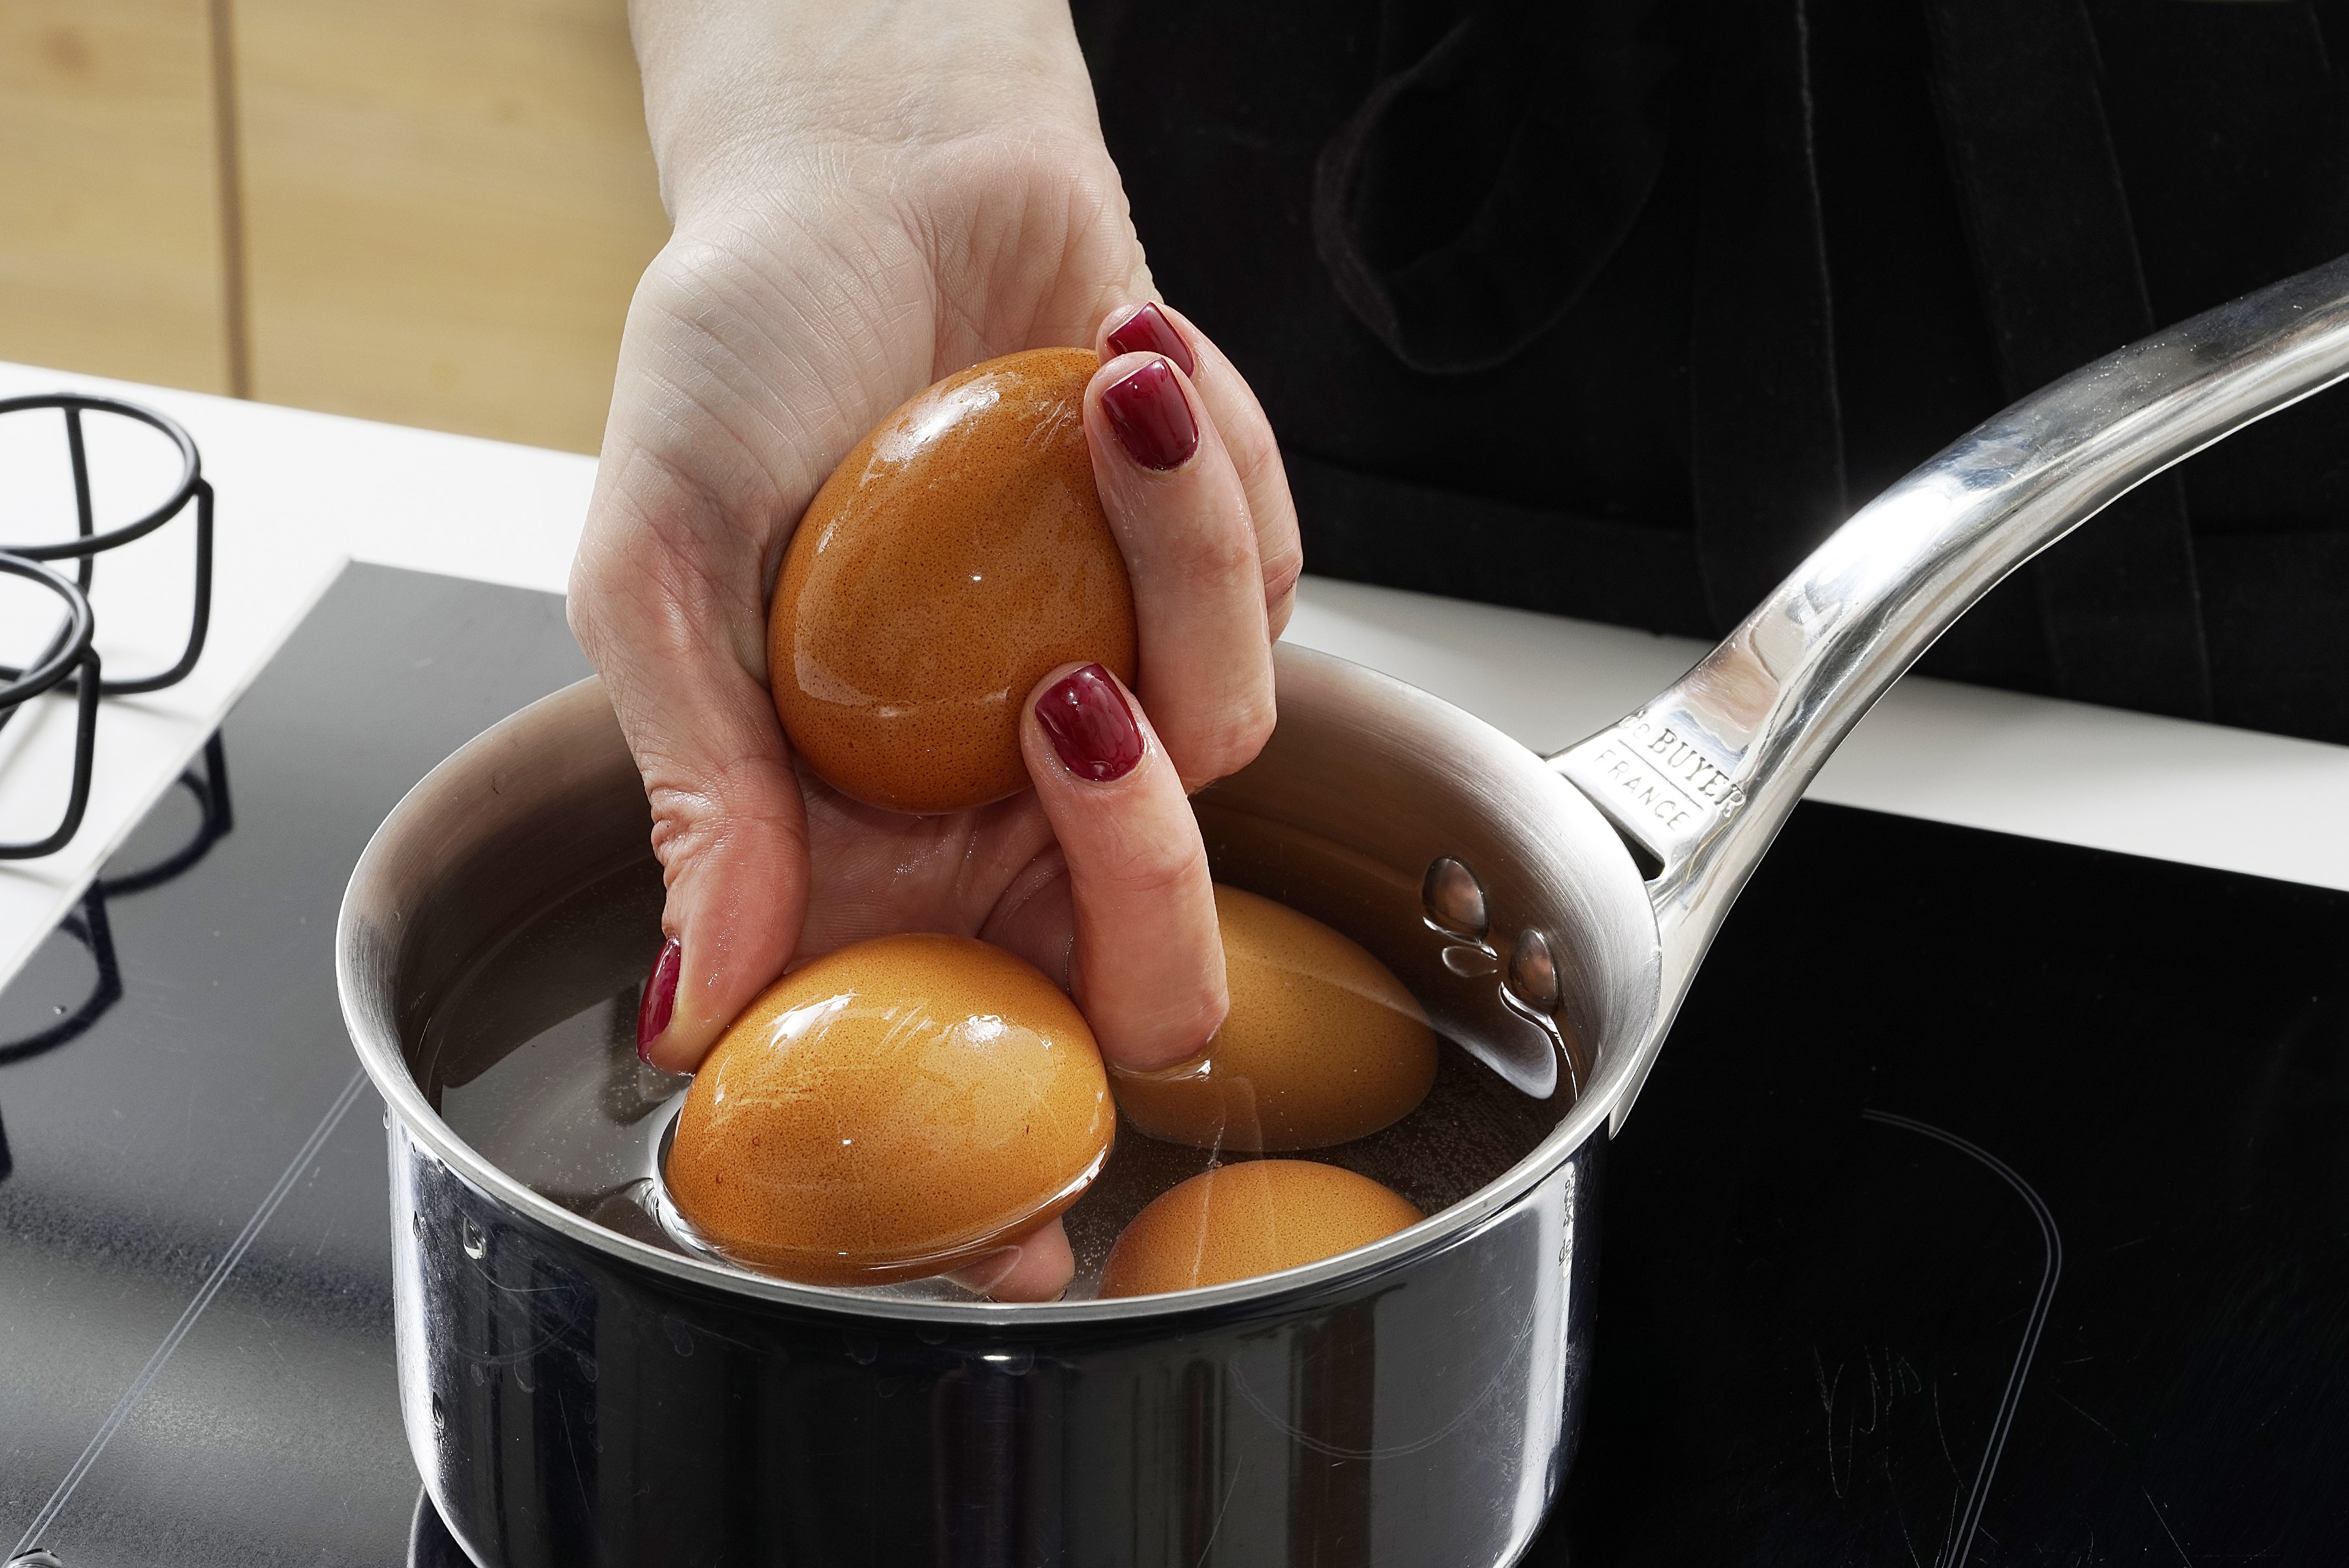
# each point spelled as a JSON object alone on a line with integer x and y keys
{"x": 1322, "y": 1044}
{"x": 1258, "y": 1217}
{"x": 953, "y": 559}
{"x": 891, "y": 1110}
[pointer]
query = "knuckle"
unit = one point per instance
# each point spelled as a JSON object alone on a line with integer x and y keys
{"x": 1256, "y": 455}
{"x": 1190, "y": 535}
{"x": 1154, "y": 873}
{"x": 1179, "y": 1026}
{"x": 1210, "y": 561}
{"x": 734, "y": 808}
{"x": 1142, "y": 866}
{"x": 1182, "y": 1030}
{"x": 1284, "y": 568}
{"x": 1228, "y": 554}
{"x": 1230, "y": 743}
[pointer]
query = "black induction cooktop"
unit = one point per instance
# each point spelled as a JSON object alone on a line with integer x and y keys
{"x": 1990, "y": 1205}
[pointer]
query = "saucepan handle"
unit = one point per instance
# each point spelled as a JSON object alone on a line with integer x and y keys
{"x": 1702, "y": 776}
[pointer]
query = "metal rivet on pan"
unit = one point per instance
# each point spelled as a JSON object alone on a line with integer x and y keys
{"x": 1454, "y": 899}
{"x": 475, "y": 1242}
{"x": 37, "y": 1558}
{"x": 1533, "y": 973}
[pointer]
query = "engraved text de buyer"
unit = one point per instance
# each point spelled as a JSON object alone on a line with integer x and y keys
{"x": 1653, "y": 769}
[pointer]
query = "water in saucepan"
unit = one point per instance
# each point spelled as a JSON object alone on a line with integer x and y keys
{"x": 532, "y": 1061}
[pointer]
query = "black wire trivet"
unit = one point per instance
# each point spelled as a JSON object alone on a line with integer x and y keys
{"x": 71, "y": 652}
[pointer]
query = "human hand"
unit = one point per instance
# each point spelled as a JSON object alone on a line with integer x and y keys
{"x": 866, "y": 198}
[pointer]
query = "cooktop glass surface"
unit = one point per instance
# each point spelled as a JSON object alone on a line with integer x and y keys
{"x": 1990, "y": 1205}
{"x": 195, "y": 1294}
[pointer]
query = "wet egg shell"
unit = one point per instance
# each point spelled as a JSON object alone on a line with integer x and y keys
{"x": 1322, "y": 1044}
{"x": 892, "y": 1110}
{"x": 954, "y": 557}
{"x": 1257, "y": 1217}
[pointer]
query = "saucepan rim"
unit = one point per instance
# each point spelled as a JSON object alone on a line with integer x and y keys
{"x": 1822, "y": 646}
{"x": 375, "y": 1037}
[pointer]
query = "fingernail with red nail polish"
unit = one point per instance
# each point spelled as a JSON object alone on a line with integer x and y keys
{"x": 659, "y": 999}
{"x": 1085, "y": 717}
{"x": 1152, "y": 417}
{"x": 1148, "y": 331}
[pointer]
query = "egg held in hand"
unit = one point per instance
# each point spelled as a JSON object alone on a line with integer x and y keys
{"x": 1322, "y": 1045}
{"x": 954, "y": 557}
{"x": 894, "y": 1109}
{"x": 1258, "y": 1217}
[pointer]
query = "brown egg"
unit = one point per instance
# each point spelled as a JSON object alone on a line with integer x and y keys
{"x": 1322, "y": 1044}
{"x": 893, "y": 1109}
{"x": 953, "y": 559}
{"x": 1260, "y": 1216}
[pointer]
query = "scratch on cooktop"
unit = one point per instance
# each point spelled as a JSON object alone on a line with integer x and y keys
{"x": 1221, "y": 1509}
{"x": 2052, "y": 1242}
{"x": 1940, "y": 1433}
{"x": 129, "y": 1398}
{"x": 1828, "y": 1403}
{"x": 2099, "y": 1426}
{"x": 2158, "y": 1519}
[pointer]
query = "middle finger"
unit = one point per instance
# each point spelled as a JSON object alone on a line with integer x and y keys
{"x": 1181, "y": 517}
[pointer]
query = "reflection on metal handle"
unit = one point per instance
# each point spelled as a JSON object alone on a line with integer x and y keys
{"x": 1704, "y": 776}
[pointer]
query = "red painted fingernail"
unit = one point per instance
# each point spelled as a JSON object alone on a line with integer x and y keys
{"x": 1148, "y": 331}
{"x": 659, "y": 998}
{"x": 1152, "y": 417}
{"x": 1085, "y": 717}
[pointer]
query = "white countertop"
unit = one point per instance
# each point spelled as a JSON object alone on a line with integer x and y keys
{"x": 300, "y": 493}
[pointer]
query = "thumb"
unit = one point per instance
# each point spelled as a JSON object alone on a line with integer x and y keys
{"x": 730, "y": 829}
{"x": 681, "y": 663}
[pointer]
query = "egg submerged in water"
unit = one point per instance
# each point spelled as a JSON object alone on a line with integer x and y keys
{"x": 957, "y": 555}
{"x": 1258, "y": 1217}
{"x": 890, "y": 1111}
{"x": 1322, "y": 1044}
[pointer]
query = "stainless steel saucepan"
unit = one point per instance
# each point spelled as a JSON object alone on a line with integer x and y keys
{"x": 579, "y": 1391}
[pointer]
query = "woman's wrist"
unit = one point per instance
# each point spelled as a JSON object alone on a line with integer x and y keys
{"x": 741, "y": 94}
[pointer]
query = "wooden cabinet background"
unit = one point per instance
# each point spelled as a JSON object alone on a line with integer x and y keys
{"x": 431, "y": 212}
{"x": 111, "y": 239}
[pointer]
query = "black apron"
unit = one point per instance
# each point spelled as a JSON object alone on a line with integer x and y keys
{"x": 1614, "y": 308}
